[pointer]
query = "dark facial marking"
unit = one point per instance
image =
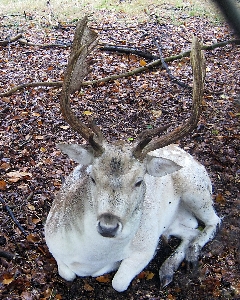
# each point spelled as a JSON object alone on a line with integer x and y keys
{"x": 116, "y": 166}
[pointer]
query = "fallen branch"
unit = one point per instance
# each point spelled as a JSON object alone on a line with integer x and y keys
{"x": 165, "y": 66}
{"x": 10, "y": 40}
{"x": 8, "y": 209}
{"x": 31, "y": 84}
{"x": 150, "y": 65}
{"x": 23, "y": 41}
{"x": 128, "y": 50}
{"x": 58, "y": 45}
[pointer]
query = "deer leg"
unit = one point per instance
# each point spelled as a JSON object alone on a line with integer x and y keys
{"x": 130, "y": 267}
{"x": 201, "y": 207}
{"x": 211, "y": 225}
{"x": 172, "y": 263}
{"x": 65, "y": 272}
{"x": 184, "y": 228}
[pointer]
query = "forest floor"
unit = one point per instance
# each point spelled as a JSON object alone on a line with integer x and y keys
{"x": 32, "y": 167}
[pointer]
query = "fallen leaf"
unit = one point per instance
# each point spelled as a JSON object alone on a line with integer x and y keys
{"x": 64, "y": 127}
{"x": 88, "y": 287}
{"x": 149, "y": 275}
{"x": 156, "y": 113}
{"x": 36, "y": 221}
{"x": 36, "y": 114}
{"x": 145, "y": 275}
{"x": 31, "y": 207}
{"x": 3, "y": 185}
{"x": 33, "y": 238}
{"x": 5, "y": 166}
{"x": 87, "y": 113}
{"x": 7, "y": 278}
{"x": 103, "y": 278}
{"x": 220, "y": 199}
{"x": 142, "y": 63}
{"x": 39, "y": 137}
{"x": 15, "y": 176}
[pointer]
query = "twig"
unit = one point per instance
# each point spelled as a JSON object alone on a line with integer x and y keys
{"x": 10, "y": 40}
{"x": 6, "y": 255}
{"x": 30, "y": 196}
{"x": 8, "y": 209}
{"x": 173, "y": 78}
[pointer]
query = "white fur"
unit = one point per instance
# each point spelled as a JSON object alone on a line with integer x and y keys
{"x": 168, "y": 203}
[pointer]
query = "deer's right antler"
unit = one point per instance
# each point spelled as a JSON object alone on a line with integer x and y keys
{"x": 77, "y": 68}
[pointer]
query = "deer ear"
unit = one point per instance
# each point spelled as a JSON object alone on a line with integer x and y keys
{"x": 77, "y": 153}
{"x": 159, "y": 166}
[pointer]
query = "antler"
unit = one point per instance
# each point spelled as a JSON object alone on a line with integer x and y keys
{"x": 146, "y": 144}
{"x": 77, "y": 68}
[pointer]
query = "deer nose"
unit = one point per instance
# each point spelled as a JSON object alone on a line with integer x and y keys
{"x": 109, "y": 225}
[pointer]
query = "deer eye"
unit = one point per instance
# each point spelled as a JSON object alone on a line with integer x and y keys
{"x": 93, "y": 180}
{"x": 138, "y": 183}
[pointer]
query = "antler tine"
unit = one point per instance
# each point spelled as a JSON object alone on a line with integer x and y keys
{"x": 198, "y": 67}
{"x": 146, "y": 136}
{"x": 77, "y": 68}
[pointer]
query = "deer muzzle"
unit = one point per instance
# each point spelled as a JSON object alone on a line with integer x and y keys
{"x": 109, "y": 225}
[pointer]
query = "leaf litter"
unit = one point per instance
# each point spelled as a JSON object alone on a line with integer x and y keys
{"x": 31, "y": 126}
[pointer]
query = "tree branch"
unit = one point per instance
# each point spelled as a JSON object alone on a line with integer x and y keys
{"x": 150, "y": 65}
{"x": 8, "y": 209}
{"x": 128, "y": 50}
{"x": 58, "y": 45}
{"x": 31, "y": 84}
{"x": 10, "y": 40}
{"x": 165, "y": 66}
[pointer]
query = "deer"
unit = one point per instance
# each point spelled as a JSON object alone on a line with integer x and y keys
{"x": 122, "y": 199}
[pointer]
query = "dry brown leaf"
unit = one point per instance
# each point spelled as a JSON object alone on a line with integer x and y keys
{"x": 15, "y": 176}
{"x": 142, "y": 63}
{"x": 5, "y": 166}
{"x": 36, "y": 114}
{"x": 88, "y": 287}
{"x": 36, "y": 221}
{"x": 145, "y": 274}
{"x": 31, "y": 207}
{"x": 33, "y": 238}
{"x": 39, "y": 137}
{"x": 3, "y": 185}
{"x": 149, "y": 275}
{"x": 156, "y": 113}
{"x": 104, "y": 278}
{"x": 220, "y": 199}
{"x": 7, "y": 278}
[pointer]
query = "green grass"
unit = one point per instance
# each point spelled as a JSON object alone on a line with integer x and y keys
{"x": 66, "y": 10}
